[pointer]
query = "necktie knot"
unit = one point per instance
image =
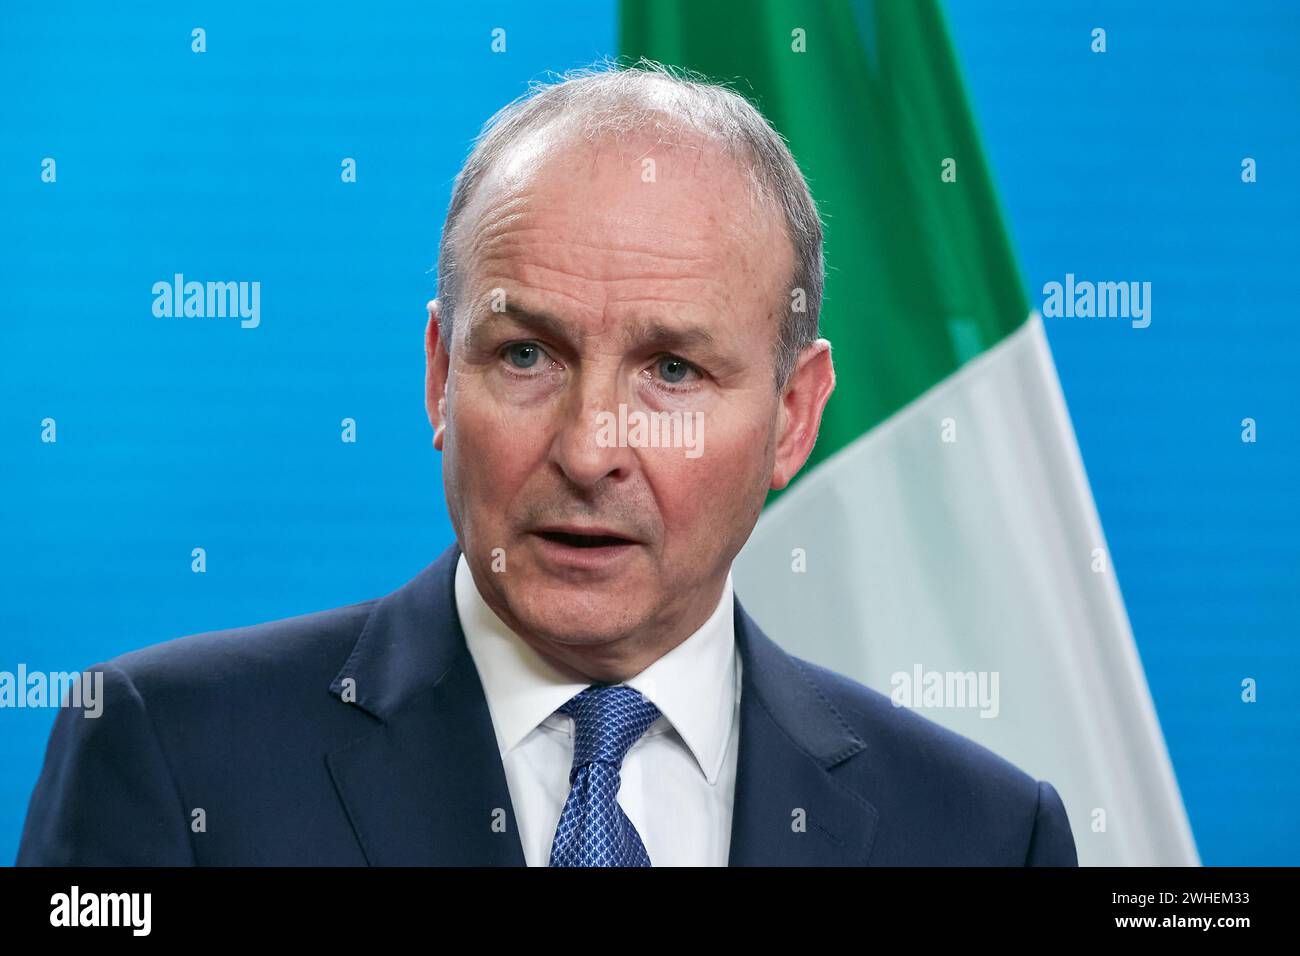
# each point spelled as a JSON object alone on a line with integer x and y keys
{"x": 608, "y": 720}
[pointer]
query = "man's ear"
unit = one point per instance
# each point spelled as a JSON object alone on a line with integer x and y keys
{"x": 436, "y": 364}
{"x": 800, "y": 415}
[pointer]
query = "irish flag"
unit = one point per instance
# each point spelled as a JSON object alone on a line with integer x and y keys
{"x": 944, "y": 535}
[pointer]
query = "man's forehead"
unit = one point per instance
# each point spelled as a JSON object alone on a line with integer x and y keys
{"x": 651, "y": 236}
{"x": 696, "y": 313}
{"x": 683, "y": 183}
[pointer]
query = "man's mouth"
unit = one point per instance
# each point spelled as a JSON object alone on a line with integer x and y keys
{"x": 569, "y": 549}
{"x": 584, "y": 540}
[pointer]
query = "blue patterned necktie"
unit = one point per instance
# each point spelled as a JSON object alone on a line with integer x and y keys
{"x": 593, "y": 829}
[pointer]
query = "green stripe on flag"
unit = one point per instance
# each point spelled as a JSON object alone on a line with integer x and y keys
{"x": 920, "y": 272}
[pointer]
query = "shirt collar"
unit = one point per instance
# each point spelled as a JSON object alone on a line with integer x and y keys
{"x": 693, "y": 685}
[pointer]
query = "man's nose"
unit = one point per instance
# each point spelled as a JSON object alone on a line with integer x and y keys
{"x": 588, "y": 445}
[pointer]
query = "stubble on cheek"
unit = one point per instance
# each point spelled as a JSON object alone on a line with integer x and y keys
{"x": 708, "y": 506}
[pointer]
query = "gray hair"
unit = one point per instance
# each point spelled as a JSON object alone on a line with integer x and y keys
{"x": 609, "y": 98}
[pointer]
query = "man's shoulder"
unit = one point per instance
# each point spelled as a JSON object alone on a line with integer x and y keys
{"x": 307, "y": 648}
{"x": 899, "y": 740}
{"x": 234, "y": 721}
{"x": 942, "y": 798}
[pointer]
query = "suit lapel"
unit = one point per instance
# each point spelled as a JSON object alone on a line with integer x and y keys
{"x": 424, "y": 785}
{"x": 790, "y": 809}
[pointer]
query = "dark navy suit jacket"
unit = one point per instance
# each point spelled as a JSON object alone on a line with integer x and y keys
{"x": 249, "y": 727}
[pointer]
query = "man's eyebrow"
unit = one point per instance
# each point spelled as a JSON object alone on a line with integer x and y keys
{"x": 672, "y": 338}
{"x": 539, "y": 322}
{"x": 695, "y": 343}
{"x": 644, "y": 334}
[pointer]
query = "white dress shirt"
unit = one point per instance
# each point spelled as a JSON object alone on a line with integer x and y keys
{"x": 678, "y": 779}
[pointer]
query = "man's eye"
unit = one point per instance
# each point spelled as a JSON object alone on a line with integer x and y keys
{"x": 674, "y": 369}
{"x": 523, "y": 354}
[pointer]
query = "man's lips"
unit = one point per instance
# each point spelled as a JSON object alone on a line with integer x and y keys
{"x": 588, "y": 552}
{"x": 585, "y": 536}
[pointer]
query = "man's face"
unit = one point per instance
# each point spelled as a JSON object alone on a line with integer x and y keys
{"x": 594, "y": 277}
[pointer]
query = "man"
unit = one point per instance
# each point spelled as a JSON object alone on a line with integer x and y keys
{"x": 622, "y": 361}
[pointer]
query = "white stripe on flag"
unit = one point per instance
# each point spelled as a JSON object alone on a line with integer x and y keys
{"x": 976, "y": 555}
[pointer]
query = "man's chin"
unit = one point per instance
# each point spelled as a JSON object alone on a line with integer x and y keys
{"x": 576, "y": 615}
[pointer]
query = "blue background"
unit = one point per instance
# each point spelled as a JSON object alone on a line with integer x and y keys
{"x": 175, "y": 434}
